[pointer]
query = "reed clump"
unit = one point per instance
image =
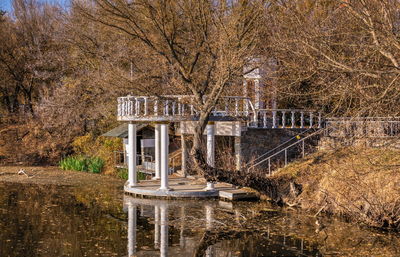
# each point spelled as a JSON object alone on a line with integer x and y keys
{"x": 81, "y": 163}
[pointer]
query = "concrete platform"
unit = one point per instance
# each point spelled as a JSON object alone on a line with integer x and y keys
{"x": 236, "y": 195}
{"x": 187, "y": 188}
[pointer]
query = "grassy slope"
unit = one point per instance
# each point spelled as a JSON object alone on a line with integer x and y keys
{"x": 362, "y": 184}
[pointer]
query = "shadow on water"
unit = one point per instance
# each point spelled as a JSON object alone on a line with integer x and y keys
{"x": 56, "y": 221}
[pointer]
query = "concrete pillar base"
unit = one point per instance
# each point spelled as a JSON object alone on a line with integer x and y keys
{"x": 210, "y": 186}
{"x": 165, "y": 189}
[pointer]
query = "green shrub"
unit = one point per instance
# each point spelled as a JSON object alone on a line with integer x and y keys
{"x": 123, "y": 174}
{"x": 95, "y": 165}
{"x": 80, "y": 163}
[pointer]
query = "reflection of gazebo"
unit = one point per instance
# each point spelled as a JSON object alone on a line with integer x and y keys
{"x": 159, "y": 211}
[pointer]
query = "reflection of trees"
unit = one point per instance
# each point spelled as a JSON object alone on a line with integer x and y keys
{"x": 47, "y": 221}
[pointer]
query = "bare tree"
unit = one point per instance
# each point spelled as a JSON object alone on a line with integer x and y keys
{"x": 29, "y": 55}
{"x": 340, "y": 56}
{"x": 202, "y": 44}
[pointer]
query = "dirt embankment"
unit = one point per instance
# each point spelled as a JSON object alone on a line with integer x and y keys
{"x": 359, "y": 184}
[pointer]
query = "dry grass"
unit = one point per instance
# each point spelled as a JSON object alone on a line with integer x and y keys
{"x": 361, "y": 184}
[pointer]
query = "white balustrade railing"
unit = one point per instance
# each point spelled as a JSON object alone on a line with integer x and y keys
{"x": 361, "y": 127}
{"x": 235, "y": 106}
{"x": 179, "y": 107}
{"x": 131, "y": 107}
{"x": 286, "y": 118}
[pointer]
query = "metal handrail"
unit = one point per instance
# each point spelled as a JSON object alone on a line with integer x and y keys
{"x": 138, "y": 157}
{"x": 285, "y": 150}
{"x": 274, "y": 149}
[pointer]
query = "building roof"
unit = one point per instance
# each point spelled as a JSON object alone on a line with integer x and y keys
{"x": 121, "y": 131}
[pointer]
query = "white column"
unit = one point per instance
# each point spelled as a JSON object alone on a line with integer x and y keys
{"x": 238, "y": 153}
{"x": 184, "y": 156}
{"x": 209, "y": 220}
{"x": 211, "y": 144}
{"x": 156, "y": 227}
{"x": 157, "y": 149}
{"x": 257, "y": 94}
{"x": 164, "y": 156}
{"x": 293, "y": 119}
{"x": 132, "y": 176}
{"x": 209, "y": 216}
{"x": 142, "y": 153}
{"x": 131, "y": 229}
{"x": 246, "y": 105}
{"x": 274, "y": 119}
{"x": 164, "y": 231}
{"x": 182, "y": 242}
{"x": 210, "y": 150}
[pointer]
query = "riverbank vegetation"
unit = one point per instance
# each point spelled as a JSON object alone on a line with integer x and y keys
{"x": 357, "y": 183}
{"x": 62, "y": 68}
{"x": 80, "y": 163}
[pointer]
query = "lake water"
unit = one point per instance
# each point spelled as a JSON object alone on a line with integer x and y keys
{"x": 57, "y": 221}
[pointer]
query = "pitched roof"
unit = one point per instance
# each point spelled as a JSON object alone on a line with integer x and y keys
{"x": 121, "y": 131}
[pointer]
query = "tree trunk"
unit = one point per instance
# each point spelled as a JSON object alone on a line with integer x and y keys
{"x": 197, "y": 151}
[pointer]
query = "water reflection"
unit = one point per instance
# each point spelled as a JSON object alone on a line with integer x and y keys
{"x": 55, "y": 221}
{"x": 191, "y": 228}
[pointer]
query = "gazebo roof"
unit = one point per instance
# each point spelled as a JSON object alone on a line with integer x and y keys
{"x": 122, "y": 131}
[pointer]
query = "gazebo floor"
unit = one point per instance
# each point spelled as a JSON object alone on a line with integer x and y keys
{"x": 188, "y": 188}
